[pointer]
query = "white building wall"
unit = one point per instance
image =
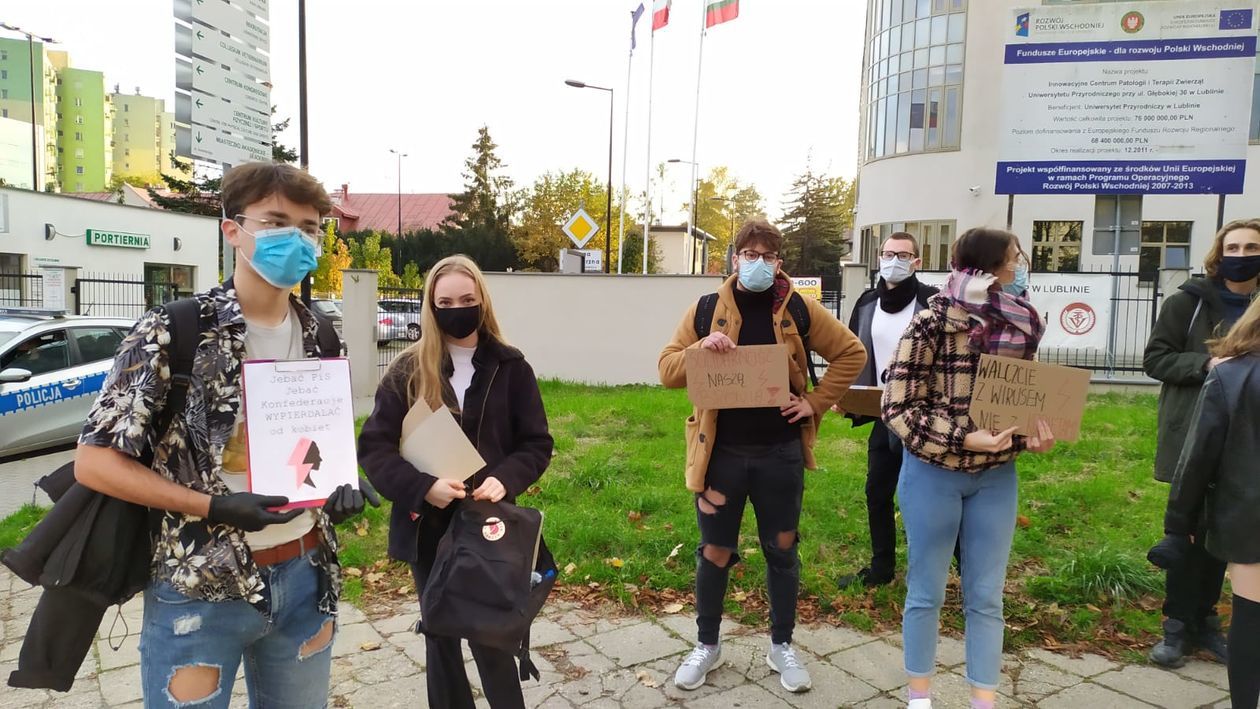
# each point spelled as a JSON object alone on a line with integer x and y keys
{"x": 23, "y": 215}
{"x": 936, "y": 186}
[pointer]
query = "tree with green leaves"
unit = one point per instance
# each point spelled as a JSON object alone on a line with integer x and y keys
{"x": 722, "y": 206}
{"x": 480, "y": 221}
{"x": 369, "y": 254}
{"x": 818, "y": 217}
{"x": 547, "y": 205}
{"x": 411, "y": 277}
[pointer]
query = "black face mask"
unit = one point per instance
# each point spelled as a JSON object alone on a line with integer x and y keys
{"x": 1239, "y": 269}
{"x": 458, "y": 322}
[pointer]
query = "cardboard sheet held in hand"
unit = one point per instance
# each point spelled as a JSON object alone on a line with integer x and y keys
{"x": 433, "y": 442}
{"x": 1016, "y": 392}
{"x": 747, "y": 377}
{"x": 862, "y": 401}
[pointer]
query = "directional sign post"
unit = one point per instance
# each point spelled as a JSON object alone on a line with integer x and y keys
{"x": 222, "y": 77}
{"x": 580, "y": 228}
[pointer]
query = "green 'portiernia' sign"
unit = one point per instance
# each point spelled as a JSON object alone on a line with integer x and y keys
{"x": 96, "y": 237}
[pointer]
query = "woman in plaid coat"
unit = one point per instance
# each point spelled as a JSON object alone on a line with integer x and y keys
{"x": 957, "y": 481}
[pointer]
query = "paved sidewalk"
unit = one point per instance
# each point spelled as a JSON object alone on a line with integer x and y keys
{"x": 588, "y": 659}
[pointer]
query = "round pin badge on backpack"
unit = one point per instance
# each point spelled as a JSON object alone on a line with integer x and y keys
{"x": 494, "y": 529}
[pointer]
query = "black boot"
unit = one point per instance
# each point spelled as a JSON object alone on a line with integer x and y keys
{"x": 1208, "y": 637}
{"x": 1171, "y": 651}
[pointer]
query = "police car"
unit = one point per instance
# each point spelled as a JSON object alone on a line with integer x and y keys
{"x": 52, "y": 366}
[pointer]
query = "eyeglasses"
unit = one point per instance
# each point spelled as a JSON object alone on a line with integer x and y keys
{"x": 312, "y": 232}
{"x": 751, "y": 256}
{"x": 899, "y": 255}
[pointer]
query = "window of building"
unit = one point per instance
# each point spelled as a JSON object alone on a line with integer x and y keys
{"x": 78, "y": 101}
{"x": 1164, "y": 245}
{"x": 126, "y": 137}
{"x": 4, "y": 73}
{"x": 126, "y": 123}
{"x": 78, "y": 170}
{"x": 1117, "y": 224}
{"x": 127, "y": 151}
{"x": 78, "y": 187}
{"x": 914, "y": 76}
{"x": 78, "y": 136}
{"x": 78, "y": 120}
{"x": 1056, "y": 246}
{"x": 78, "y": 153}
{"x": 4, "y": 93}
{"x": 936, "y": 239}
{"x": 4, "y": 54}
{"x": 126, "y": 108}
{"x": 5, "y": 112}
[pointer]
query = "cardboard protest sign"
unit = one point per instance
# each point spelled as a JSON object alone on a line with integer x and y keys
{"x": 299, "y": 422}
{"x": 751, "y": 376}
{"x": 862, "y": 401}
{"x": 1016, "y": 392}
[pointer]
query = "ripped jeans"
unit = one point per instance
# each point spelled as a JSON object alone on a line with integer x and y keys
{"x": 287, "y": 661}
{"x": 772, "y": 478}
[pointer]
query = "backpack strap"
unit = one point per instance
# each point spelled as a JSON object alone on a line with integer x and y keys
{"x": 705, "y": 308}
{"x": 799, "y": 310}
{"x": 326, "y": 335}
{"x": 185, "y": 331}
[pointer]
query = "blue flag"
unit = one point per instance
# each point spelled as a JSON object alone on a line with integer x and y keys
{"x": 635, "y": 14}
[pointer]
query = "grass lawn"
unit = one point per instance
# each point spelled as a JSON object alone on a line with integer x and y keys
{"x": 622, "y": 524}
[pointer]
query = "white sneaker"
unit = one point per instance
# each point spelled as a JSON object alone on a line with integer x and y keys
{"x": 792, "y": 674}
{"x": 919, "y": 704}
{"x": 697, "y": 666}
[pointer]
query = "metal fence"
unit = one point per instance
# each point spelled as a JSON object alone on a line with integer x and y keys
{"x": 21, "y": 290}
{"x": 397, "y": 322}
{"x": 115, "y": 295}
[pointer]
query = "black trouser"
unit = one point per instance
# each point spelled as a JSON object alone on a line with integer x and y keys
{"x": 448, "y": 682}
{"x": 883, "y": 469}
{"x": 772, "y": 478}
{"x": 1192, "y": 591}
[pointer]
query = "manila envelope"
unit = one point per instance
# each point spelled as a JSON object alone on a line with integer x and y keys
{"x": 433, "y": 442}
{"x": 750, "y": 376}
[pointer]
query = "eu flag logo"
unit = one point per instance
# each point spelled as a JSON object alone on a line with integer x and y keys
{"x": 1021, "y": 24}
{"x": 1236, "y": 19}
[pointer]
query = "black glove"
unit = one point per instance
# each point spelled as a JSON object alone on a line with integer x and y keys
{"x": 346, "y": 502}
{"x": 1170, "y": 552}
{"x": 248, "y": 512}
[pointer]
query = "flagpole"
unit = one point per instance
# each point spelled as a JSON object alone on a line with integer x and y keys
{"x": 695, "y": 134}
{"x": 647, "y": 190}
{"x": 625, "y": 144}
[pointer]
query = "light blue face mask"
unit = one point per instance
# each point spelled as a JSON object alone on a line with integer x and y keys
{"x": 282, "y": 255}
{"x": 756, "y": 276}
{"x": 1019, "y": 286}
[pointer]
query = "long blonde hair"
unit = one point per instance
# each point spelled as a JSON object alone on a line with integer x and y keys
{"x": 428, "y": 354}
{"x": 1243, "y": 338}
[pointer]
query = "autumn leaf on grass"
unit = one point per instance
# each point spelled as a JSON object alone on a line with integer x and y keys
{"x": 634, "y": 516}
{"x": 740, "y": 596}
{"x": 570, "y": 568}
{"x": 673, "y": 553}
{"x": 352, "y": 571}
{"x": 1023, "y": 522}
{"x": 374, "y": 577}
{"x": 671, "y": 608}
{"x": 361, "y": 528}
{"x": 615, "y": 562}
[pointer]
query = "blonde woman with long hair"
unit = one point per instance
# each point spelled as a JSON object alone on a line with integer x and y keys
{"x": 1217, "y": 480}
{"x": 463, "y": 363}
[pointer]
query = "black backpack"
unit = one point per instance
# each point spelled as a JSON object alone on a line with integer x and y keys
{"x": 490, "y": 578}
{"x": 796, "y": 306}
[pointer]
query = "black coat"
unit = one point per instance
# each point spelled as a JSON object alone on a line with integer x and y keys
{"x": 503, "y": 417}
{"x": 1177, "y": 356}
{"x": 1217, "y": 475}
{"x": 860, "y": 324}
{"x": 90, "y": 552}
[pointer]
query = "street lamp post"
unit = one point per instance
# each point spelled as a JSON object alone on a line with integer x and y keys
{"x": 398, "y": 238}
{"x": 695, "y": 192}
{"x": 608, "y": 211}
{"x": 30, "y": 50}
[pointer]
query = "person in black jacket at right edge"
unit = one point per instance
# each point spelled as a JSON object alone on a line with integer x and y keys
{"x": 1177, "y": 355}
{"x": 879, "y": 319}
{"x": 1217, "y": 480}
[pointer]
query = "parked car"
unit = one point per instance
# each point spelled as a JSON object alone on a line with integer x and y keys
{"x": 51, "y": 369}
{"x": 330, "y": 309}
{"x": 397, "y": 319}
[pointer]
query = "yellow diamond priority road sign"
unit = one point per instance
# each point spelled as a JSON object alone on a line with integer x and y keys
{"x": 581, "y": 228}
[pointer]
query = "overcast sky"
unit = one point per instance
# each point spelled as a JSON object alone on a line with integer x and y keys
{"x": 780, "y": 84}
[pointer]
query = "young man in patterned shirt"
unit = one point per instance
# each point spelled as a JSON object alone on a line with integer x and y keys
{"x": 232, "y": 579}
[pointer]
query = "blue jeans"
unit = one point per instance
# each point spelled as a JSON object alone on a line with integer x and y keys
{"x": 183, "y": 632}
{"x": 939, "y": 506}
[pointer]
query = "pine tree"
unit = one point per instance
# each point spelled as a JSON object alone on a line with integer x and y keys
{"x": 816, "y": 222}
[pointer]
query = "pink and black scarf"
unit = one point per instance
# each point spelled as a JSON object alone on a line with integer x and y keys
{"x": 1004, "y": 325}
